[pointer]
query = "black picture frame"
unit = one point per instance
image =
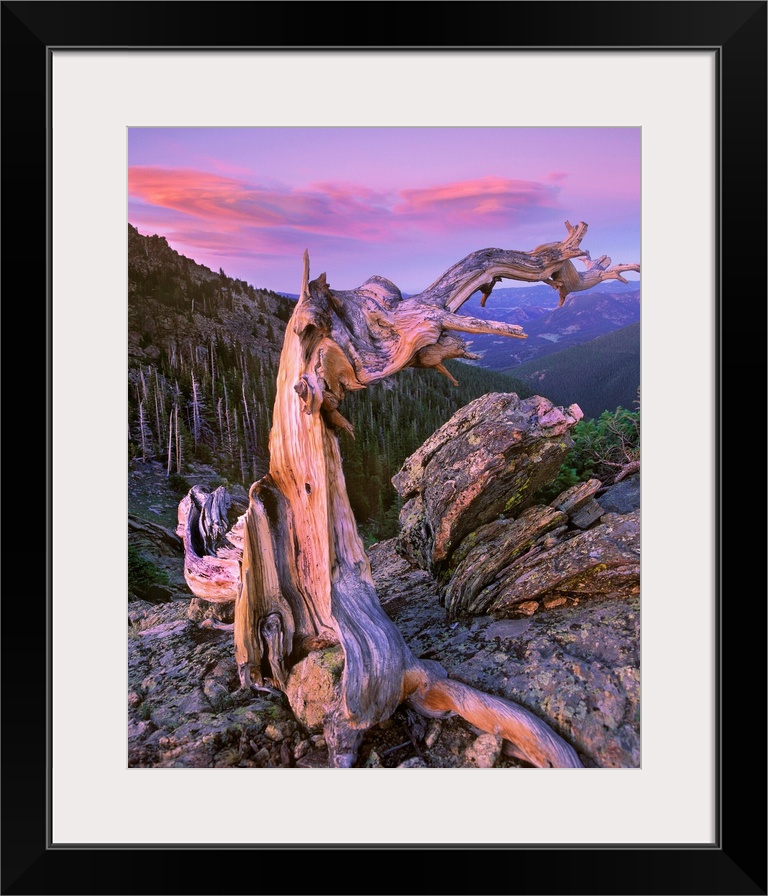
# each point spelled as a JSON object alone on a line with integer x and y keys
{"x": 736, "y": 863}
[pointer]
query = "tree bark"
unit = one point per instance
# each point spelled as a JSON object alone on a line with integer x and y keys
{"x": 305, "y": 581}
{"x": 213, "y": 544}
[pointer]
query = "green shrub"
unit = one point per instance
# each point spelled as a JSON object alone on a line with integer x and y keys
{"x": 143, "y": 573}
{"x": 179, "y": 484}
{"x": 600, "y": 448}
{"x": 203, "y": 453}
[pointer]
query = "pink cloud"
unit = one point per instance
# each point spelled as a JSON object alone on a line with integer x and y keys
{"x": 340, "y": 209}
{"x": 233, "y": 210}
{"x": 467, "y": 201}
{"x": 226, "y": 167}
{"x": 556, "y": 176}
{"x": 197, "y": 193}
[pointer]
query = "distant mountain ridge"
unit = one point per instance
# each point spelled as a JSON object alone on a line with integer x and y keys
{"x": 598, "y": 375}
{"x": 584, "y": 316}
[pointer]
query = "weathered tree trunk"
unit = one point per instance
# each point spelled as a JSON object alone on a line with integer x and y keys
{"x": 305, "y": 580}
{"x": 213, "y": 544}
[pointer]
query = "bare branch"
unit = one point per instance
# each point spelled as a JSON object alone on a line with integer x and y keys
{"x": 567, "y": 279}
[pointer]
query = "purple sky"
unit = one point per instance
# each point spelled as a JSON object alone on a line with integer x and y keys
{"x": 404, "y": 203}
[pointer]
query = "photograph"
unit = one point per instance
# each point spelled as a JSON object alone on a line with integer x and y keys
{"x": 384, "y": 447}
{"x": 345, "y": 352}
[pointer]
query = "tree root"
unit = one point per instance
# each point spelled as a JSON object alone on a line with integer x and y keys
{"x": 526, "y": 736}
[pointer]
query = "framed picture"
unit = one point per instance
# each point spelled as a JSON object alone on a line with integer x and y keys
{"x": 75, "y": 82}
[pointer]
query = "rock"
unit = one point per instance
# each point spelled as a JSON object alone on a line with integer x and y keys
{"x": 413, "y": 540}
{"x": 137, "y": 729}
{"x": 311, "y": 683}
{"x": 140, "y": 610}
{"x": 485, "y": 751}
{"x": 200, "y": 609}
{"x": 313, "y": 759}
{"x": 603, "y": 561}
{"x": 624, "y": 497}
{"x": 511, "y": 562}
{"x": 262, "y": 757}
{"x": 399, "y": 578}
{"x": 504, "y": 629}
{"x": 187, "y": 679}
{"x": 576, "y": 496}
{"x": 527, "y": 607}
{"x": 414, "y": 762}
{"x": 433, "y": 733}
{"x": 302, "y": 747}
{"x": 586, "y": 515}
{"x": 156, "y": 736}
{"x": 216, "y": 692}
{"x": 164, "y": 630}
{"x": 400, "y": 584}
{"x": 273, "y": 733}
{"x": 490, "y": 550}
{"x": 580, "y": 670}
{"x": 490, "y": 458}
{"x": 194, "y": 703}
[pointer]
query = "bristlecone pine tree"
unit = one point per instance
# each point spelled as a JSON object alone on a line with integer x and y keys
{"x": 294, "y": 562}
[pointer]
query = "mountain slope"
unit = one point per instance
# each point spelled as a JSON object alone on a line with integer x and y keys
{"x": 203, "y": 350}
{"x": 583, "y": 317}
{"x": 202, "y": 367}
{"x": 599, "y": 375}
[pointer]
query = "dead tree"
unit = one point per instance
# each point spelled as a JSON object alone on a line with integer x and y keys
{"x": 304, "y": 582}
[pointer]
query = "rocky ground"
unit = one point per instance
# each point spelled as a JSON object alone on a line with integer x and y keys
{"x": 186, "y": 710}
{"x": 576, "y": 665}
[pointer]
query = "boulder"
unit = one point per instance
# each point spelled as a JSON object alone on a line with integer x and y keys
{"x": 470, "y": 517}
{"x": 490, "y": 458}
{"x": 311, "y": 686}
{"x": 623, "y": 497}
{"x": 492, "y": 551}
{"x": 601, "y": 562}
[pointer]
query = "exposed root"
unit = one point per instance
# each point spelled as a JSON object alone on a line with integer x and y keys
{"x": 526, "y": 736}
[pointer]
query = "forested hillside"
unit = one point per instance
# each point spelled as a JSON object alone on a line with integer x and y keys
{"x": 551, "y": 328}
{"x": 599, "y": 375}
{"x": 203, "y": 351}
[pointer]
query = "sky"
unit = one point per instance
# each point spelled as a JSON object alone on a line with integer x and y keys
{"x": 402, "y": 203}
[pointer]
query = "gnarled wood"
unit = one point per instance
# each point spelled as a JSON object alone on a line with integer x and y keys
{"x": 628, "y": 469}
{"x": 212, "y": 544}
{"x": 305, "y": 580}
{"x": 526, "y": 736}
